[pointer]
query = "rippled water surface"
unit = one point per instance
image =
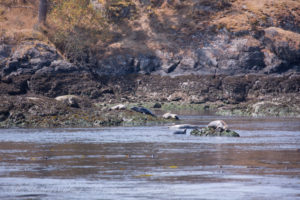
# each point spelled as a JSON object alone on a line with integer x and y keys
{"x": 152, "y": 163}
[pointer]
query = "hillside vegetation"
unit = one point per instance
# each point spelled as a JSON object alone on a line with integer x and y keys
{"x": 86, "y": 31}
{"x": 237, "y": 57}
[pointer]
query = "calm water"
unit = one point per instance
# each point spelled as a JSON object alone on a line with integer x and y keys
{"x": 152, "y": 163}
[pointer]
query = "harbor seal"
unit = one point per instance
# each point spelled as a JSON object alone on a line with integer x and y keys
{"x": 180, "y": 132}
{"x": 118, "y": 107}
{"x": 143, "y": 110}
{"x": 218, "y": 124}
{"x": 170, "y": 116}
{"x": 183, "y": 126}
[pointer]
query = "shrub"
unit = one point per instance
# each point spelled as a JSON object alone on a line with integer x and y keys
{"x": 75, "y": 28}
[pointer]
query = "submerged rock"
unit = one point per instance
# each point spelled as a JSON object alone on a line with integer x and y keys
{"x": 214, "y": 132}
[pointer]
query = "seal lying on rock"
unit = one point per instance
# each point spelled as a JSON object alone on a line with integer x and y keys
{"x": 70, "y": 100}
{"x": 118, "y": 107}
{"x": 215, "y": 128}
{"x": 170, "y": 116}
{"x": 143, "y": 110}
{"x": 218, "y": 124}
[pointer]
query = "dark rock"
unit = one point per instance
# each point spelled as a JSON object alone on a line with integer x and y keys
{"x": 234, "y": 89}
{"x": 52, "y": 84}
{"x": 10, "y": 67}
{"x": 157, "y": 105}
{"x": 62, "y": 66}
{"x": 5, "y": 107}
{"x": 231, "y": 56}
{"x": 30, "y": 57}
{"x": 126, "y": 64}
{"x": 283, "y": 49}
{"x": 7, "y": 80}
{"x": 117, "y": 65}
{"x": 17, "y": 117}
{"x": 148, "y": 64}
{"x": 214, "y": 132}
{"x": 5, "y": 51}
{"x": 170, "y": 67}
{"x": 4, "y": 115}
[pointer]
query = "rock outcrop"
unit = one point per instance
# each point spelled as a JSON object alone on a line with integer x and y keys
{"x": 283, "y": 50}
{"x": 274, "y": 51}
{"x": 37, "y": 67}
{"x": 214, "y": 132}
{"x": 215, "y": 128}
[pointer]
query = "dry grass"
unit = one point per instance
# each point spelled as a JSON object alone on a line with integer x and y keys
{"x": 17, "y": 20}
{"x": 155, "y": 26}
{"x": 246, "y": 15}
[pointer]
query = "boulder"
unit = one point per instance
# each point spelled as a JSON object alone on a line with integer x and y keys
{"x": 157, "y": 105}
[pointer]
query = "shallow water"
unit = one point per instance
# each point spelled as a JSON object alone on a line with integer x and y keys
{"x": 152, "y": 163}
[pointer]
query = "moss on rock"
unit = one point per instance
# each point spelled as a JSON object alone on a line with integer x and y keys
{"x": 214, "y": 132}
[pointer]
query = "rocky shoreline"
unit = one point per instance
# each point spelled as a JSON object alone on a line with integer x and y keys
{"x": 226, "y": 57}
{"x": 43, "y": 112}
{"x": 33, "y": 75}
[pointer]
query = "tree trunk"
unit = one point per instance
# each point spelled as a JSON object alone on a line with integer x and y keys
{"x": 42, "y": 11}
